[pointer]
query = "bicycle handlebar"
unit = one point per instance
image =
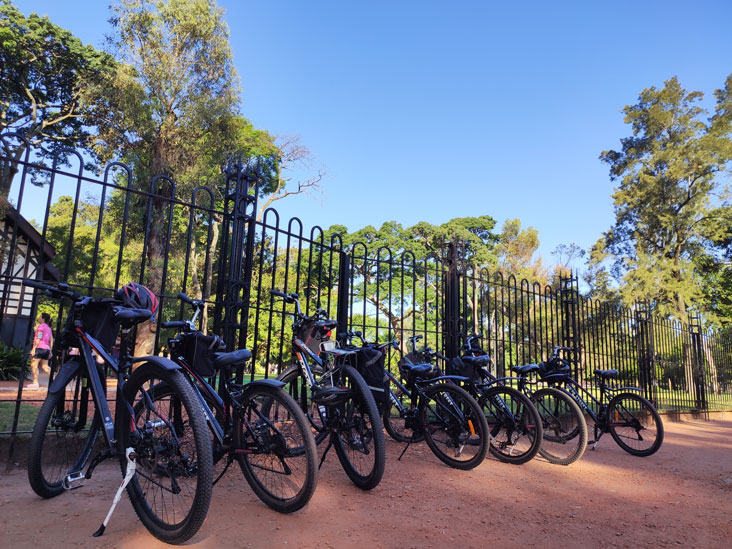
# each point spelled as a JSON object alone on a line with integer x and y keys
{"x": 61, "y": 290}
{"x": 178, "y": 324}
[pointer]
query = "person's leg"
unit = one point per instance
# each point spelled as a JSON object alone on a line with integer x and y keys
{"x": 44, "y": 365}
{"x": 34, "y": 370}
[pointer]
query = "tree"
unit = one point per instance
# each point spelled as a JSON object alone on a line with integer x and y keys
{"x": 517, "y": 251}
{"x": 393, "y": 271}
{"x": 669, "y": 197}
{"x": 46, "y": 76}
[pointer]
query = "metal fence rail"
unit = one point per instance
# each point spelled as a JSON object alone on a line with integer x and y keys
{"x": 97, "y": 232}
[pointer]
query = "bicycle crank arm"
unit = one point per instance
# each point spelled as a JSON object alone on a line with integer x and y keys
{"x": 129, "y": 473}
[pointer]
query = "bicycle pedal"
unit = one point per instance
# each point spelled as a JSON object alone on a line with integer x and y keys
{"x": 72, "y": 481}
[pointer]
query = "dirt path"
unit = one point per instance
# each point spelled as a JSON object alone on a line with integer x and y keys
{"x": 681, "y": 496}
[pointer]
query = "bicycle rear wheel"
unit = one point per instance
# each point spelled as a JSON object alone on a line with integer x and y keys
{"x": 395, "y": 421}
{"x": 565, "y": 429}
{"x": 358, "y": 438}
{"x": 513, "y": 423}
{"x": 171, "y": 488}
{"x": 64, "y": 435}
{"x": 635, "y": 424}
{"x": 275, "y": 448}
{"x": 455, "y": 428}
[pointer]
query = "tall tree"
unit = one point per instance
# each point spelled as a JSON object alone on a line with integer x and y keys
{"x": 46, "y": 76}
{"x": 670, "y": 194}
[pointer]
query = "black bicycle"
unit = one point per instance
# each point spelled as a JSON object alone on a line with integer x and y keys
{"x": 514, "y": 425}
{"x": 632, "y": 421}
{"x": 563, "y": 424}
{"x": 432, "y": 407}
{"x": 162, "y": 442}
{"x": 257, "y": 424}
{"x": 334, "y": 396}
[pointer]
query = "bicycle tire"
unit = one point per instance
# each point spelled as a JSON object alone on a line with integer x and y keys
{"x": 565, "y": 429}
{"x": 628, "y": 414}
{"x": 453, "y": 420}
{"x": 63, "y": 437}
{"x": 394, "y": 422}
{"x": 171, "y": 489}
{"x": 359, "y": 441}
{"x": 282, "y": 468}
{"x": 296, "y": 387}
{"x": 514, "y": 424}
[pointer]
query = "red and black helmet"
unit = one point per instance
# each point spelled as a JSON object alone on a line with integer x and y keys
{"x": 137, "y": 296}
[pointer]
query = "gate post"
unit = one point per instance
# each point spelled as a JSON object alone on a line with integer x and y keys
{"x": 452, "y": 303}
{"x": 238, "y": 277}
{"x": 344, "y": 278}
{"x": 646, "y": 351}
{"x": 698, "y": 362}
{"x": 569, "y": 297}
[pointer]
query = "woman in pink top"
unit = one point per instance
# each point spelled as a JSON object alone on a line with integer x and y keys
{"x": 41, "y": 349}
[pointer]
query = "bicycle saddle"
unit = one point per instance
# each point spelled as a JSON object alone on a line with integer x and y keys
{"x": 525, "y": 369}
{"x": 607, "y": 374}
{"x": 223, "y": 360}
{"x": 127, "y": 314}
{"x": 476, "y": 361}
{"x": 426, "y": 371}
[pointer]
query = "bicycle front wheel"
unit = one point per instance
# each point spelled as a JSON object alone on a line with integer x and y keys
{"x": 635, "y": 424}
{"x": 298, "y": 389}
{"x": 565, "y": 429}
{"x": 64, "y": 435}
{"x": 171, "y": 488}
{"x": 513, "y": 423}
{"x": 358, "y": 437}
{"x": 275, "y": 448}
{"x": 455, "y": 428}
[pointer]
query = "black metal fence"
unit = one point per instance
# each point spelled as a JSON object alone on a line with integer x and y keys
{"x": 97, "y": 232}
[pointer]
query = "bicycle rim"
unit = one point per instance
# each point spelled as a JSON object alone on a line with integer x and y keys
{"x": 276, "y": 449}
{"x": 359, "y": 438}
{"x": 635, "y": 424}
{"x": 454, "y": 427}
{"x": 64, "y": 437}
{"x": 171, "y": 488}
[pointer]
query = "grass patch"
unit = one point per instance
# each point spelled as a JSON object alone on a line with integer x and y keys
{"x": 26, "y": 419}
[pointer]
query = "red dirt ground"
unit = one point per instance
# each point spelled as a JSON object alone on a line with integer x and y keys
{"x": 682, "y": 496}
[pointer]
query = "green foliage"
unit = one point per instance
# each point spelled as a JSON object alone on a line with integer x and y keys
{"x": 669, "y": 196}
{"x": 46, "y": 80}
{"x": 12, "y": 363}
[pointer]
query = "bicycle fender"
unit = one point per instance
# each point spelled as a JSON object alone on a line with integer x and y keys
{"x": 68, "y": 370}
{"x": 262, "y": 383}
{"x": 461, "y": 379}
{"x": 164, "y": 363}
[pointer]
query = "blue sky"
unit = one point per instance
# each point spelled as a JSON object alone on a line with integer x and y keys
{"x": 434, "y": 110}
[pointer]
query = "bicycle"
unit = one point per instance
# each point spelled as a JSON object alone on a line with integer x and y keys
{"x": 432, "y": 407}
{"x": 632, "y": 421}
{"x": 164, "y": 450}
{"x": 334, "y": 396}
{"x": 514, "y": 425}
{"x": 257, "y": 424}
{"x": 564, "y": 438}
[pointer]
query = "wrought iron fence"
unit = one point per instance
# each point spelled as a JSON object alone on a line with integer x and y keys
{"x": 98, "y": 231}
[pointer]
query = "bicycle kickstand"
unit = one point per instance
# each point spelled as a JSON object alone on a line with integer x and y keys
{"x": 330, "y": 444}
{"x": 405, "y": 449}
{"x": 129, "y": 473}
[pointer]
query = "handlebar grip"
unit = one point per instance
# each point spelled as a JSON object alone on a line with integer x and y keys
{"x": 36, "y": 284}
{"x": 278, "y": 293}
{"x": 174, "y": 324}
{"x": 416, "y": 337}
{"x": 184, "y": 298}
